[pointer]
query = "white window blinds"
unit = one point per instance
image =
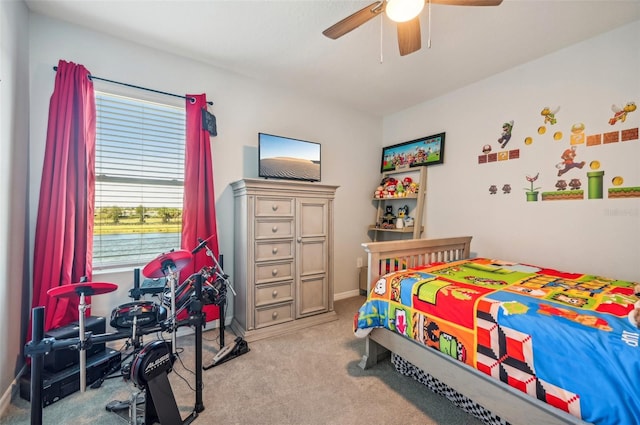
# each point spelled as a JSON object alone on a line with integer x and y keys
{"x": 139, "y": 180}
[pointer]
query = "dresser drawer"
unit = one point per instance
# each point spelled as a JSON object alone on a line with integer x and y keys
{"x": 273, "y": 315}
{"x": 273, "y": 272}
{"x": 274, "y": 293}
{"x": 268, "y": 229}
{"x": 274, "y": 250}
{"x": 271, "y": 207}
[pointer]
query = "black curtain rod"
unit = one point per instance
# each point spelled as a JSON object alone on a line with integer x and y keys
{"x": 93, "y": 77}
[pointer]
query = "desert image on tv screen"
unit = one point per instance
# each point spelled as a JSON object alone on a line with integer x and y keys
{"x": 289, "y": 159}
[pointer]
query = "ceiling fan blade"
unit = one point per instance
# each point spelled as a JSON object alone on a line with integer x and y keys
{"x": 468, "y": 2}
{"x": 409, "y": 37}
{"x": 352, "y": 22}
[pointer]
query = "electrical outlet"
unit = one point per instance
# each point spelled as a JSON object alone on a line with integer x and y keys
{"x": 359, "y": 262}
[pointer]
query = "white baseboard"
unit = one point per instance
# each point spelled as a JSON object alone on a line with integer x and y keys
{"x": 347, "y": 294}
{"x": 12, "y": 391}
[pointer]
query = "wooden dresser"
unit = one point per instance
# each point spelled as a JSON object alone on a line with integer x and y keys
{"x": 283, "y": 266}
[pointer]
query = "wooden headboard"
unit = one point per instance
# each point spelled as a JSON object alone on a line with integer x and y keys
{"x": 413, "y": 252}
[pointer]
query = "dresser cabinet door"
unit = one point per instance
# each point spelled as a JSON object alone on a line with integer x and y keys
{"x": 312, "y": 251}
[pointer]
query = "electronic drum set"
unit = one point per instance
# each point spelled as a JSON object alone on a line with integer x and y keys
{"x": 154, "y": 360}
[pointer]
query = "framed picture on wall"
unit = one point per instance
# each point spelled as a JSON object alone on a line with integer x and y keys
{"x": 415, "y": 153}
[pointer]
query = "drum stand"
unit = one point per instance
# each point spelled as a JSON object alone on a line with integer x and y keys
{"x": 82, "y": 307}
{"x": 133, "y": 407}
{"x": 221, "y": 275}
{"x": 39, "y": 346}
{"x": 239, "y": 345}
{"x": 170, "y": 271}
{"x": 167, "y": 265}
{"x": 159, "y": 401}
{"x": 82, "y": 289}
{"x": 136, "y": 343}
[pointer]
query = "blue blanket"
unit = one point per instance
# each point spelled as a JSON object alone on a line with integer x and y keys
{"x": 570, "y": 340}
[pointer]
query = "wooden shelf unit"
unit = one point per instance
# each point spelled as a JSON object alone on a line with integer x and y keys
{"x": 418, "y": 200}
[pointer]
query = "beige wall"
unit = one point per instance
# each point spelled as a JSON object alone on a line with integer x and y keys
{"x": 14, "y": 147}
{"x": 243, "y": 107}
{"x": 598, "y": 236}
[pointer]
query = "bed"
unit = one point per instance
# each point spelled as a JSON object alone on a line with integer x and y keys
{"x": 519, "y": 351}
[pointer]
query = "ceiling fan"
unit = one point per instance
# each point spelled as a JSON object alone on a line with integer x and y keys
{"x": 404, "y": 12}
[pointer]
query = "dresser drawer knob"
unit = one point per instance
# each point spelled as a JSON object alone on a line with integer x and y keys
{"x": 274, "y": 229}
{"x": 274, "y": 272}
{"x": 274, "y": 250}
{"x": 274, "y": 315}
{"x": 275, "y": 207}
{"x": 274, "y": 294}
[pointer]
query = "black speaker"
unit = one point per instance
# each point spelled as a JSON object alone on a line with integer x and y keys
{"x": 58, "y": 385}
{"x": 58, "y": 360}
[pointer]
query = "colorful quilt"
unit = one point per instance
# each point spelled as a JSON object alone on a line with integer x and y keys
{"x": 570, "y": 340}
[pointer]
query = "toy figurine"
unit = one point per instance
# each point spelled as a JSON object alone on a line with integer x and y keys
{"x": 388, "y": 219}
{"x": 390, "y": 187}
{"x": 403, "y": 212}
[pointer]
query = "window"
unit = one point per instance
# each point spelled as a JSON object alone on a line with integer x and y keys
{"x": 139, "y": 180}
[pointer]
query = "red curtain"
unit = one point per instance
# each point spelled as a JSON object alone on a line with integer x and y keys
{"x": 199, "y": 207}
{"x": 64, "y": 230}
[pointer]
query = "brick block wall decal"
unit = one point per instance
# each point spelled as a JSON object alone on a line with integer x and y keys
{"x": 630, "y": 134}
{"x": 611, "y": 137}
{"x": 594, "y": 140}
{"x": 499, "y": 156}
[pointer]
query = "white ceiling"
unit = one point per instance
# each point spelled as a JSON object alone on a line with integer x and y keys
{"x": 281, "y": 41}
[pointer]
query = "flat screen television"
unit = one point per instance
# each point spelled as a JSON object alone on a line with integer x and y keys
{"x": 290, "y": 159}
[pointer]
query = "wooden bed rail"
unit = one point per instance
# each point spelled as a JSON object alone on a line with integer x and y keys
{"x": 390, "y": 256}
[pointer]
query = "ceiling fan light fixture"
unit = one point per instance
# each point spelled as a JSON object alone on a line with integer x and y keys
{"x": 403, "y": 10}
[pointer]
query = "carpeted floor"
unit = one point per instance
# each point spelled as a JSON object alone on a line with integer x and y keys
{"x": 306, "y": 377}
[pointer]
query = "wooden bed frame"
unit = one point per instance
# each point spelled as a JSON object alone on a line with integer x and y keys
{"x": 502, "y": 400}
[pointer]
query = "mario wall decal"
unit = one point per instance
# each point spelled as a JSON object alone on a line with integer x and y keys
{"x": 568, "y": 163}
{"x": 562, "y": 140}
